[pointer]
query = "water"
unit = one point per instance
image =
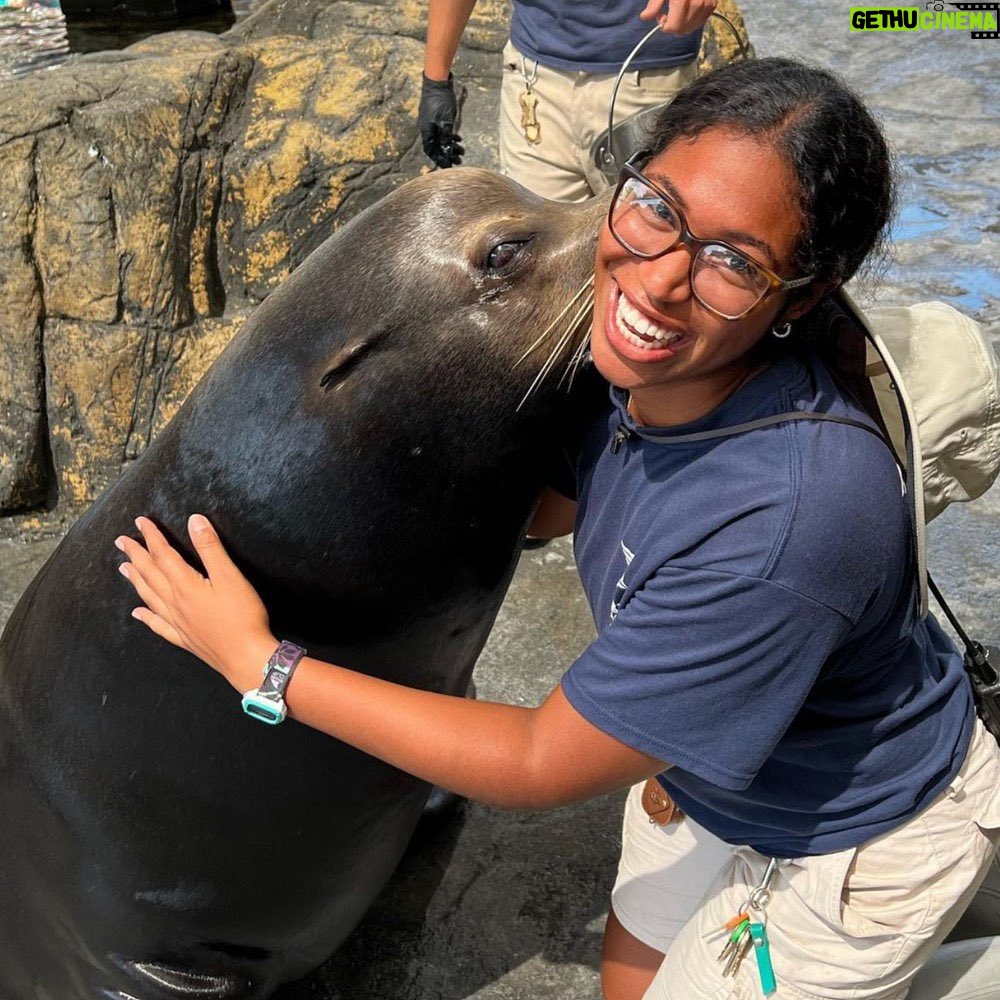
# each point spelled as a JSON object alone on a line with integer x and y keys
{"x": 938, "y": 94}
{"x": 36, "y": 35}
{"x": 32, "y": 36}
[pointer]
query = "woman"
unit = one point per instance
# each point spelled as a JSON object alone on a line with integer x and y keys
{"x": 759, "y": 648}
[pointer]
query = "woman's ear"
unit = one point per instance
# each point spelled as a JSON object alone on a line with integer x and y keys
{"x": 806, "y": 300}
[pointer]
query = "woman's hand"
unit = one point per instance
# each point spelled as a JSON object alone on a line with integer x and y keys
{"x": 682, "y": 16}
{"x": 218, "y": 617}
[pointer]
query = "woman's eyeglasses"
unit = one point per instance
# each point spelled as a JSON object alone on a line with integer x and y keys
{"x": 726, "y": 281}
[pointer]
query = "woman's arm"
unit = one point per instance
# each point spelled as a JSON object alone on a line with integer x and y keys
{"x": 503, "y": 755}
{"x": 554, "y": 515}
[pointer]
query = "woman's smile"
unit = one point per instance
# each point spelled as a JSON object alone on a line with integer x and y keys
{"x": 635, "y": 334}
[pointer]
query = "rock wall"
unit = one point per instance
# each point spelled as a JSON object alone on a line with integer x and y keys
{"x": 153, "y": 196}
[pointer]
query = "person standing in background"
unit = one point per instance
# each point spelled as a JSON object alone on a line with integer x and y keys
{"x": 559, "y": 69}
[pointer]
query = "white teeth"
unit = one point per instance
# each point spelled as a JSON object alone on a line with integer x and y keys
{"x": 631, "y": 322}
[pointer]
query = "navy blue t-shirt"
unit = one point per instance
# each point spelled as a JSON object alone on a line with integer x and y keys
{"x": 757, "y": 622}
{"x": 594, "y": 36}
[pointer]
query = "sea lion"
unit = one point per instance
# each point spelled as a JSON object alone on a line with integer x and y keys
{"x": 366, "y": 450}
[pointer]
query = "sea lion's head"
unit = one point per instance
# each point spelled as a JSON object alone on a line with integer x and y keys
{"x": 460, "y": 270}
{"x": 415, "y": 369}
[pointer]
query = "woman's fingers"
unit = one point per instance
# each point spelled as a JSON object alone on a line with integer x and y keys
{"x": 146, "y": 564}
{"x": 207, "y": 544}
{"x": 162, "y": 628}
{"x": 146, "y": 593}
{"x": 168, "y": 560}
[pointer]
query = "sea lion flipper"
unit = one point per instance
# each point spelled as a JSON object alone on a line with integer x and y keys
{"x": 155, "y": 979}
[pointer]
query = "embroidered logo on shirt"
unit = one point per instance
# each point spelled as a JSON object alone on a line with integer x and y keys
{"x": 616, "y": 601}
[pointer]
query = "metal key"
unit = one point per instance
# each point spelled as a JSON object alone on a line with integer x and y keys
{"x": 735, "y": 936}
{"x": 742, "y": 946}
{"x": 741, "y": 953}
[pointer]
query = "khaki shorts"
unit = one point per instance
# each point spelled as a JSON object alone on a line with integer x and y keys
{"x": 855, "y": 924}
{"x": 572, "y": 111}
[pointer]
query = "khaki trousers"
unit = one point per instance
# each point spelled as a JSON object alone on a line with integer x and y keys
{"x": 572, "y": 111}
{"x": 857, "y": 924}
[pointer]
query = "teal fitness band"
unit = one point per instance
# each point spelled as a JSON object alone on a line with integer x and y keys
{"x": 267, "y": 702}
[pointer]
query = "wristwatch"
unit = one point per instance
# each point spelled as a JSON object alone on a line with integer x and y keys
{"x": 267, "y": 702}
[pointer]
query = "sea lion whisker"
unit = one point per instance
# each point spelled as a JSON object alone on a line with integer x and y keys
{"x": 548, "y": 330}
{"x": 577, "y": 361}
{"x": 547, "y": 366}
{"x": 586, "y": 293}
{"x": 542, "y": 372}
{"x": 579, "y": 322}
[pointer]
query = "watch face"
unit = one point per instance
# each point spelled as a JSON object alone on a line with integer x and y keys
{"x": 263, "y": 711}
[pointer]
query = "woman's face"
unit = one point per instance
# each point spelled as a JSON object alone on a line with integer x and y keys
{"x": 730, "y": 187}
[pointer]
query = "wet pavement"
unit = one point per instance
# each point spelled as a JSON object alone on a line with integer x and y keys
{"x": 496, "y": 906}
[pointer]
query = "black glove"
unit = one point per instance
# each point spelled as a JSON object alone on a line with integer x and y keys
{"x": 436, "y": 121}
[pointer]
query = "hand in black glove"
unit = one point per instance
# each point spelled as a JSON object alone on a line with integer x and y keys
{"x": 436, "y": 120}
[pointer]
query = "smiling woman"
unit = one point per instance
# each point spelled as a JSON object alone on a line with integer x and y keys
{"x": 815, "y": 759}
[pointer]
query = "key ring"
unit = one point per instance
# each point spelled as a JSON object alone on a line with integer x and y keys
{"x": 529, "y": 78}
{"x": 756, "y": 903}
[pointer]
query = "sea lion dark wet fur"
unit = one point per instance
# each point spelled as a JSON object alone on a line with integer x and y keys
{"x": 361, "y": 449}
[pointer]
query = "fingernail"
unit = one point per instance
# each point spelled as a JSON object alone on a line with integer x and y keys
{"x": 120, "y": 544}
{"x": 197, "y": 522}
{"x": 135, "y": 612}
{"x": 123, "y": 569}
{"x": 138, "y": 523}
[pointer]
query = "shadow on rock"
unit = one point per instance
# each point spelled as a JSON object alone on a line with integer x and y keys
{"x": 488, "y": 904}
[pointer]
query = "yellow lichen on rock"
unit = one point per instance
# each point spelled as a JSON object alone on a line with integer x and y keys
{"x": 285, "y": 90}
{"x": 146, "y": 233}
{"x": 203, "y": 277}
{"x": 344, "y": 91}
{"x": 203, "y": 343}
{"x": 267, "y": 259}
{"x": 93, "y": 387}
{"x": 718, "y": 44}
{"x": 369, "y": 140}
{"x": 335, "y": 193}
{"x": 73, "y": 224}
{"x": 269, "y": 179}
{"x": 261, "y": 132}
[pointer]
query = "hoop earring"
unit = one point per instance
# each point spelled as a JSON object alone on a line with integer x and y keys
{"x": 781, "y": 332}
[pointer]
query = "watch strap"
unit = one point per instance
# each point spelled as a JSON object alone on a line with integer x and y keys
{"x": 279, "y": 669}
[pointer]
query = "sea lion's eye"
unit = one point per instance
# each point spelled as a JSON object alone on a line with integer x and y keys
{"x": 503, "y": 255}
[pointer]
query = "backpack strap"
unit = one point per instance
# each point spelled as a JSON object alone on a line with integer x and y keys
{"x": 753, "y": 425}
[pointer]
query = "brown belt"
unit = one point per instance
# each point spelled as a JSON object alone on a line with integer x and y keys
{"x": 660, "y": 807}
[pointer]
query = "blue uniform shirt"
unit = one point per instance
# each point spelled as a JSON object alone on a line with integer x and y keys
{"x": 594, "y": 36}
{"x": 756, "y": 609}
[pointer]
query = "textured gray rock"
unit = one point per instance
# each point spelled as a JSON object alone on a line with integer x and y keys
{"x": 153, "y": 196}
